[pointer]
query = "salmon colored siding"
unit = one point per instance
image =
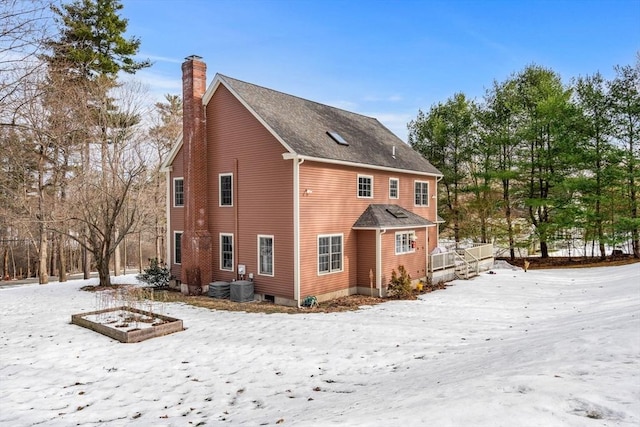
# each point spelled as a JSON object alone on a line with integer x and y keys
{"x": 366, "y": 257}
{"x": 413, "y": 262}
{"x": 333, "y": 206}
{"x": 239, "y": 144}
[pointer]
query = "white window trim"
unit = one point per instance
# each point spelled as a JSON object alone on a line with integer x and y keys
{"x": 409, "y": 233}
{"x": 414, "y": 193}
{"x": 358, "y": 186}
{"x": 220, "y": 175}
{"x": 397, "y": 180}
{"x": 324, "y": 273}
{"x": 175, "y": 233}
{"x": 232, "y": 252}
{"x": 173, "y": 192}
{"x": 273, "y": 256}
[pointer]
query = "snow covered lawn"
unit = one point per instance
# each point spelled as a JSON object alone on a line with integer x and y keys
{"x": 542, "y": 348}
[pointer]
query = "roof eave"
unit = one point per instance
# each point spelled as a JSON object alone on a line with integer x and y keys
{"x": 167, "y": 165}
{"x": 292, "y": 155}
{"x": 393, "y": 227}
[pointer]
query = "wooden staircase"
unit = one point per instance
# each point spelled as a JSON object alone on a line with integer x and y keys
{"x": 465, "y": 268}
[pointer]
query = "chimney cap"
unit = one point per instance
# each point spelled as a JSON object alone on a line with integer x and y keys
{"x": 193, "y": 58}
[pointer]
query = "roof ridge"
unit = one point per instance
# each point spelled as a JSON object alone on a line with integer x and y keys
{"x": 223, "y": 76}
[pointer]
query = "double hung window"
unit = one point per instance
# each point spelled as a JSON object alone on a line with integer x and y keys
{"x": 226, "y": 252}
{"x": 178, "y": 192}
{"x": 421, "y": 193}
{"x": 226, "y": 189}
{"x": 365, "y": 186}
{"x": 329, "y": 253}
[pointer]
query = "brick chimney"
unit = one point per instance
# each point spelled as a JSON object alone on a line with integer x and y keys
{"x": 197, "y": 269}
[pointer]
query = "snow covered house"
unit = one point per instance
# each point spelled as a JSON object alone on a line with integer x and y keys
{"x": 301, "y": 198}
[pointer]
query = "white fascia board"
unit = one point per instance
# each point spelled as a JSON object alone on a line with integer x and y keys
{"x": 393, "y": 228}
{"x": 167, "y": 165}
{"x": 291, "y": 155}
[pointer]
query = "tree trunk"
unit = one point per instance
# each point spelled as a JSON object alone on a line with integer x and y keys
{"x": 116, "y": 256}
{"x": 85, "y": 262}
{"x": 507, "y": 215}
{"x": 103, "y": 271}
{"x": 53, "y": 256}
{"x": 544, "y": 250}
{"x": 43, "y": 276}
{"x": 124, "y": 255}
{"x": 483, "y": 229}
{"x": 635, "y": 234}
{"x": 62, "y": 260}
{"x": 140, "y": 252}
{"x": 5, "y": 264}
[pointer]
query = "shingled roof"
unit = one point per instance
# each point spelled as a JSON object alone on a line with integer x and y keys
{"x": 389, "y": 216}
{"x": 303, "y": 126}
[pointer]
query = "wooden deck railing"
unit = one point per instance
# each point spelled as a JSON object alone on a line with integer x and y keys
{"x": 470, "y": 257}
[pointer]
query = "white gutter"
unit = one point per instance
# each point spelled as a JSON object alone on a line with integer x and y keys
{"x": 379, "y": 233}
{"x": 296, "y": 228}
{"x": 288, "y": 156}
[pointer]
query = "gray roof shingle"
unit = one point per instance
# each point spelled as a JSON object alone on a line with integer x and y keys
{"x": 382, "y": 216}
{"x": 302, "y": 125}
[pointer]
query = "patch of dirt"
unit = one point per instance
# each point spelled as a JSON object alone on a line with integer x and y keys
{"x": 91, "y": 288}
{"x": 573, "y": 262}
{"x": 347, "y": 303}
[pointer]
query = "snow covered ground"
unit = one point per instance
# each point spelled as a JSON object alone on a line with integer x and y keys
{"x": 542, "y": 348}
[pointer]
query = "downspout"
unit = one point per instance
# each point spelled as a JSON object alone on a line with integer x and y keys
{"x": 296, "y": 228}
{"x": 379, "y": 233}
{"x": 426, "y": 255}
{"x": 236, "y": 226}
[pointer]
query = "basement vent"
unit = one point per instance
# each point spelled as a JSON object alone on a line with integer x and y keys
{"x": 397, "y": 212}
{"x": 337, "y": 138}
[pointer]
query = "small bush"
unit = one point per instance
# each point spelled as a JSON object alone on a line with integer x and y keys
{"x": 156, "y": 275}
{"x": 400, "y": 286}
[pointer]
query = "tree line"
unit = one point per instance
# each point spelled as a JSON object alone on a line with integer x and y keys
{"x": 539, "y": 163}
{"x": 80, "y": 181}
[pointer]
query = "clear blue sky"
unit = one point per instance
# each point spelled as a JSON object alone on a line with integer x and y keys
{"x": 382, "y": 58}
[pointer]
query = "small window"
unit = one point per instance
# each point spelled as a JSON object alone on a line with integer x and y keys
{"x": 226, "y": 252}
{"x": 178, "y": 192}
{"x": 393, "y": 188}
{"x": 177, "y": 247}
{"x": 365, "y": 186}
{"x": 226, "y": 189}
{"x": 405, "y": 242}
{"x": 265, "y": 255}
{"x": 422, "y": 193}
{"x": 329, "y": 254}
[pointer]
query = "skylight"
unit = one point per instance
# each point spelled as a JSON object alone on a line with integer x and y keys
{"x": 337, "y": 138}
{"x": 397, "y": 212}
